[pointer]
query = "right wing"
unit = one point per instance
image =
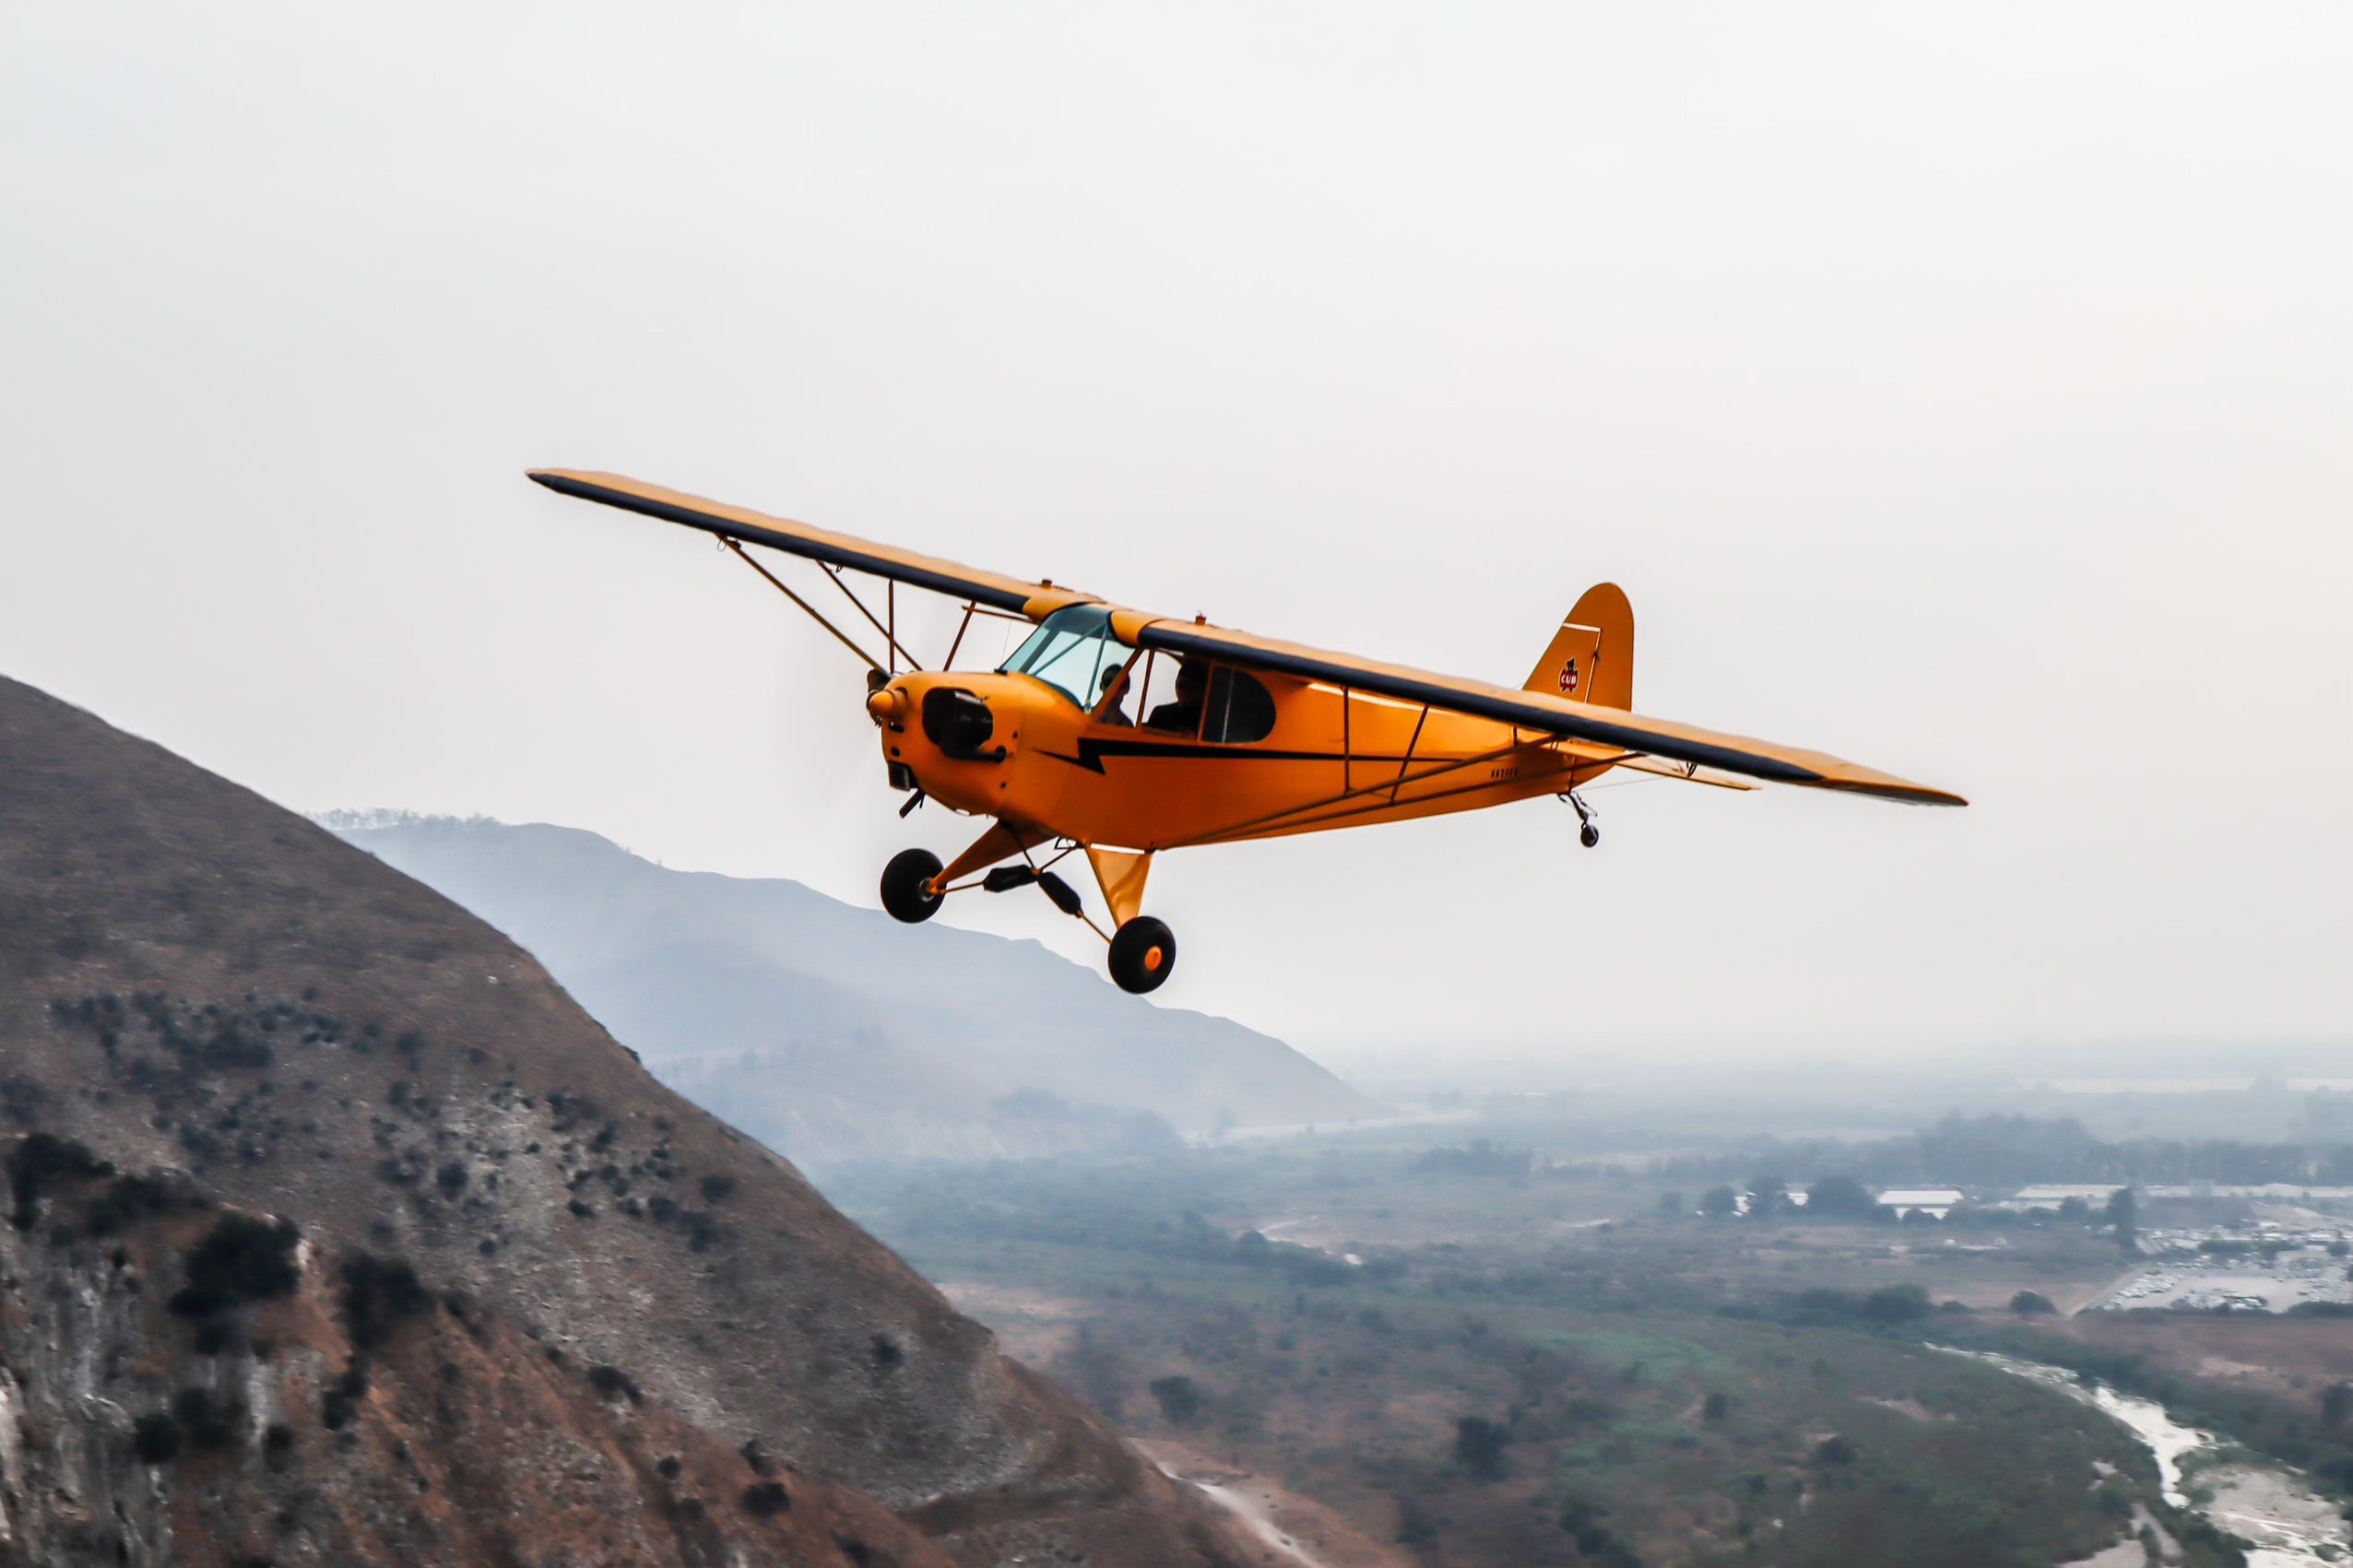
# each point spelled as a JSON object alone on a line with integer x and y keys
{"x": 993, "y": 589}
{"x": 1691, "y": 773}
{"x": 1699, "y": 750}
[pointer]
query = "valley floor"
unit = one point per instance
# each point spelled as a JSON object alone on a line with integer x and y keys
{"x": 1386, "y": 1365}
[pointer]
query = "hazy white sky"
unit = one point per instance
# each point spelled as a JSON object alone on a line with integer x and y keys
{"x": 1967, "y": 390}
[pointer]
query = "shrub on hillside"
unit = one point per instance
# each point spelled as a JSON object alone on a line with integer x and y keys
{"x": 378, "y": 1294}
{"x": 1179, "y": 1397}
{"x": 40, "y": 1159}
{"x": 1478, "y": 1448}
{"x": 208, "y": 1422}
{"x": 155, "y": 1438}
{"x": 243, "y": 1258}
{"x": 124, "y": 1199}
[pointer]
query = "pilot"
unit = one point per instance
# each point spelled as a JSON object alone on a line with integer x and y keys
{"x": 1184, "y": 713}
{"x": 1114, "y": 692}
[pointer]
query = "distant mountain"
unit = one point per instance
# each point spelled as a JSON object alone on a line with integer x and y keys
{"x": 834, "y": 1032}
{"x": 339, "y": 1234}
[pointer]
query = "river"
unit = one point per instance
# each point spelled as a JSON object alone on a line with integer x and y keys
{"x": 2268, "y": 1505}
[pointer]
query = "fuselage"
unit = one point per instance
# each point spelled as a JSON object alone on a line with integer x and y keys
{"x": 1013, "y": 747}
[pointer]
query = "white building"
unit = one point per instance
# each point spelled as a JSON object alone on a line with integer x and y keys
{"x": 1937, "y": 1201}
{"x": 2094, "y": 1194}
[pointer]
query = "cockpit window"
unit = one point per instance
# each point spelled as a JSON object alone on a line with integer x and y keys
{"x": 1240, "y": 708}
{"x": 1217, "y": 702}
{"x": 1070, "y": 650}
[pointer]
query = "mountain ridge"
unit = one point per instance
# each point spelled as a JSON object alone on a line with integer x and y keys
{"x": 198, "y": 986}
{"x": 834, "y": 1032}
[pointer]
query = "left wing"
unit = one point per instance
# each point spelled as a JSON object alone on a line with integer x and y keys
{"x": 993, "y": 589}
{"x": 1544, "y": 713}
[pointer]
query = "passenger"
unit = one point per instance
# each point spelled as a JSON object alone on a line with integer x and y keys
{"x": 1184, "y": 713}
{"x": 1114, "y": 693}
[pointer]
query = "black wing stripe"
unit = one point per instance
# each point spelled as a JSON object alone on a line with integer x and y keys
{"x": 833, "y": 555}
{"x": 1181, "y": 639}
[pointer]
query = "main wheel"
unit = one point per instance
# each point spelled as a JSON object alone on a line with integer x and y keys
{"x": 1142, "y": 952}
{"x": 1588, "y": 835}
{"x": 903, "y": 893}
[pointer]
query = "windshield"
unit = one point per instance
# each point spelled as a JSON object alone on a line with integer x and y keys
{"x": 1071, "y": 651}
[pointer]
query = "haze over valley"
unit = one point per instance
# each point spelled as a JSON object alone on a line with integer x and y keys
{"x": 832, "y": 1033}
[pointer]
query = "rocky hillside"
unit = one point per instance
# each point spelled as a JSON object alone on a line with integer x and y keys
{"x": 834, "y": 1032}
{"x": 491, "y": 1293}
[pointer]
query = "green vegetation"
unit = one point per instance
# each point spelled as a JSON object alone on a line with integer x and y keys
{"x": 208, "y": 1422}
{"x": 1997, "y": 1151}
{"x": 155, "y": 1438}
{"x": 243, "y": 1259}
{"x": 378, "y": 1294}
{"x": 42, "y": 1159}
{"x": 2295, "y": 1428}
{"x": 1525, "y": 1368}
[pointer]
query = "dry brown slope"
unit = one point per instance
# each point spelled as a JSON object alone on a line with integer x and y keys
{"x": 446, "y": 1438}
{"x": 191, "y": 976}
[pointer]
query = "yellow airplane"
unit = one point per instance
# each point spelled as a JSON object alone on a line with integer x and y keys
{"x": 1122, "y": 734}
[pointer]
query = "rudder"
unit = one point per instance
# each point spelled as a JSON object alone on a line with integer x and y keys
{"x": 1590, "y": 659}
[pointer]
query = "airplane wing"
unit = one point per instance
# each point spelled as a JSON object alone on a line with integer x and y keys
{"x": 990, "y": 588}
{"x": 1547, "y": 714}
{"x": 1631, "y": 733}
{"x": 1690, "y": 772}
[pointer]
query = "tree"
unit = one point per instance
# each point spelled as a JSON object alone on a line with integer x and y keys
{"x": 2122, "y": 1213}
{"x": 243, "y": 1258}
{"x": 1840, "y": 1196}
{"x": 2336, "y": 1403}
{"x": 1179, "y": 1397}
{"x": 1896, "y": 1303}
{"x": 2026, "y": 1304}
{"x": 1671, "y": 1203}
{"x": 1766, "y": 1196}
{"x": 1718, "y": 1202}
{"x": 2074, "y": 1208}
{"x": 1478, "y": 1446}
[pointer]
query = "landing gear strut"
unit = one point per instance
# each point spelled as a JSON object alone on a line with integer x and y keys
{"x": 1143, "y": 950}
{"x": 1588, "y": 833}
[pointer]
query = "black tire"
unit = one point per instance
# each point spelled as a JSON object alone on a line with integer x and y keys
{"x": 1588, "y": 835}
{"x": 903, "y": 890}
{"x": 1142, "y": 952}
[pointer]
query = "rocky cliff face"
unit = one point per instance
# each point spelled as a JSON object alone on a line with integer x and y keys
{"x": 195, "y": 982}
{"x": 349, "y": 1414}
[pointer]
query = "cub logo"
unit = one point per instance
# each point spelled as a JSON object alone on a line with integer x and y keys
{"x": 1568, "y": 676}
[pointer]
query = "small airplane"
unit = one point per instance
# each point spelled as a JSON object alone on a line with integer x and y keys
{"x": 1122, "y": 734}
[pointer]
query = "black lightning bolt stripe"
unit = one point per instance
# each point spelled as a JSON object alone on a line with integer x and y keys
{"x": 1091, "y": 752}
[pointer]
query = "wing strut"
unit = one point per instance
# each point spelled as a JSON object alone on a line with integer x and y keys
{"x": 889, "y": 587}
{"x": 843, "y": 637}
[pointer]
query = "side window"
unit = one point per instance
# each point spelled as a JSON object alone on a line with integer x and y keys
{"x": 1239, "y": 709}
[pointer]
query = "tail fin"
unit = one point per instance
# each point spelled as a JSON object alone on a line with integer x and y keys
{"x": 1591, "y": 657}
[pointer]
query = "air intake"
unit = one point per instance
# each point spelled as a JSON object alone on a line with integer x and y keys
{"x": 958, "y": 723}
